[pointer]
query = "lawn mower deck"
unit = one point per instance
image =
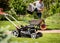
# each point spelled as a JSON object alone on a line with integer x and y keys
{"x": 27, "y": 32}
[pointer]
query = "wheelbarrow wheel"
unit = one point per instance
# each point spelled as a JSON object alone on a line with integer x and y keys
{"x": 42, "y": 26}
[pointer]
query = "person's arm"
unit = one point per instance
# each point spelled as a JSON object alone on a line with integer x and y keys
{"x": 42, "y": 7}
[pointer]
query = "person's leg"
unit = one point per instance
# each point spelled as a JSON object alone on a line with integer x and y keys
{"x": 39, "y": 15}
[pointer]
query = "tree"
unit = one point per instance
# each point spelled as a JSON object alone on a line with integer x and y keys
{"x": 51, "y": 7}
{"x": 4, "y": 4}
{"x": 20, "y": 5}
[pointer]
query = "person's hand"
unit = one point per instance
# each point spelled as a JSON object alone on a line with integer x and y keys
{"x": 40, "y": 10}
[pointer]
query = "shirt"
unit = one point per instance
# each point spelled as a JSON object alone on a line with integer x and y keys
{"x": 39, "y": 5}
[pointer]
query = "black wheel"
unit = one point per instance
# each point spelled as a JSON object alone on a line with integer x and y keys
{"x": 33, "y": 35}
{"x": 39, "y": 34}
{"x": 15, "y": 33}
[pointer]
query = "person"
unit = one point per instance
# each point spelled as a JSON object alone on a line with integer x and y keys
{"x": 38, "y": 7}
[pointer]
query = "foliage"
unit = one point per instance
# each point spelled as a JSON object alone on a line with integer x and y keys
{"x": 51, "y": 7}
{"x": 18, "y": 10}
{"x": 4, "y": 4}
{"x": 53, "y": 22}
{"x": 51, "y": 13}
{"x": 19, "y": 5}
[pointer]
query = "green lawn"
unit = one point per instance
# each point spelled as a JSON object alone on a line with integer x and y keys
{"x": 46, "y": 38}
{"x": 9, "y": 26}
{"x": 53, "y": 22}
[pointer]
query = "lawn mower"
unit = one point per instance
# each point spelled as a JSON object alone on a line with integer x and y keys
{"x": 28, "y": 30}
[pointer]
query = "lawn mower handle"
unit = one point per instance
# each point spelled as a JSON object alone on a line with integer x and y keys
{"x": 6, "y": 16}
